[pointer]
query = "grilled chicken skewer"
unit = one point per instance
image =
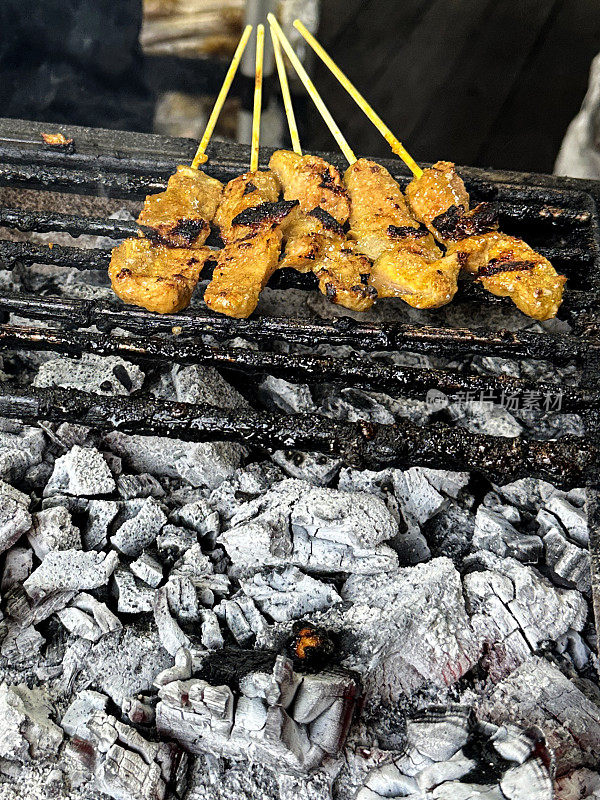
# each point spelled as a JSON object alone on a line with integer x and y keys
{"x": 406, "y": 261}
{"x": 505, "y": 266}
{"x": 315, "y": 239}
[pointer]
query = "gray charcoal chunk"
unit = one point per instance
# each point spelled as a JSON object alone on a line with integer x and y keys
{"x": 15, "y": 519}
{"x": 137, "y": 533}
{"x": 82, "y": 471}
{"x": 68, "y": 570}
{"x": 53, "y": 530}
{"x": 107, "y": 375}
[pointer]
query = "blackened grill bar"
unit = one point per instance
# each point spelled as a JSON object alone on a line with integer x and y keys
{"x": 565, "y": 462}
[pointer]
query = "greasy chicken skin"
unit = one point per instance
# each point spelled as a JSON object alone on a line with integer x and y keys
{"x": 315, "y": 239}
{"x": 313, "y": 182}
{"x": 181, "y": 215}
{"x": 245, "y": 191}
{"x": 155, "y": 277}
{"x": 249, "y": 258}
{"x": 377, "y": 202}
{"x": 508, "y": 267}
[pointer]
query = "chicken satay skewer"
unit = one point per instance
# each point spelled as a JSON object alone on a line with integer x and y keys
{"x": 201, "y": 157}
{"x": 312, "y": 90}
{"x": 397, "y": 146}
{"x": 285, "y": 92}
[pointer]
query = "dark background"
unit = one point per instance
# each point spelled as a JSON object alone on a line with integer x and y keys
{"x": 479, "y": 82}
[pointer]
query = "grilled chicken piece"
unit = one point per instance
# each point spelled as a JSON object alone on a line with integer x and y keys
{"x": 377, "y": 203}
{"x": 313, "y": 182}
{"x": 155, "y": 277}
{"x": 315, "y": 239}
{"x": 243, "y": 192}
{"x": 249, "y": 258}
{"x": 181, "y": 215}
{"x": 508, "y": 267}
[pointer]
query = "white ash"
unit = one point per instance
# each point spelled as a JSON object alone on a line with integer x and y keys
{"x": 205, "y": 464}
{"x": 53, "y": 529}
{"x": 81, "y": 471}
{"x": 288, "y": 593}
{"x": 319, "y": 529}
{"x": 108, "y": 375}
{"x": 141, "y": 530}
{"x": 15, "y": 519}
{"x": 537, "y": 693}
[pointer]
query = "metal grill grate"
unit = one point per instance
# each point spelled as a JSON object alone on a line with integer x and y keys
{"x": 559, "y": 217}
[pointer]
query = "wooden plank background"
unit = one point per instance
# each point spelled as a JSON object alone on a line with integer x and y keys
{"x": 481, "y": 82}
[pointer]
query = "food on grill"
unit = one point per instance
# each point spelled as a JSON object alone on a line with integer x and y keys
{"x": 252, "y": 245}
{"x": 506, "y": 266}
{"x": 315, "y": 239}
{"x": 155, "y": 277}
{"x": 407, "y": 262}
{"x": 181, "y": 215}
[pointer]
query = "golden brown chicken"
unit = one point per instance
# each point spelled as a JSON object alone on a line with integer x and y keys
{"x": 155, "y": 277}
{"x": 181, "y": 215}
{"x": 377, "y": 203}
{"x": 315, "y": 239}
{"x": 407, "y": 262}
{"x": 252, "y": 246}
{"x": 506, "y": 266}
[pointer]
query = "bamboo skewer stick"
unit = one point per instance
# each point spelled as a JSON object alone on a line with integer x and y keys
{"x": 200, "y": 157}
{"x": 285, "y": 91}
{"x": 397, "y": 146}
{"x": 258, "y": 81}
{"x": 312, "y": 90}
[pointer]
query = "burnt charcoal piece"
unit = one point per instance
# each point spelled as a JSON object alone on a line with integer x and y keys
{"x": 456, "y": 224}
{"x": 497, "y": 265}
{"x": 255, "y": 216}
{"x": 328, "y": 222}
{"x": 57, "y": 141}
{"x": 309, "y": 647}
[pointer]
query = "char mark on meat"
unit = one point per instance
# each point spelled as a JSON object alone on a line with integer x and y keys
{"x": 328, "y": 222}
{"x": 255, "y": 216}
{"x": 454, "y": 224}
{"x": 496, "y": 266}
{"x": 404, "y": 231}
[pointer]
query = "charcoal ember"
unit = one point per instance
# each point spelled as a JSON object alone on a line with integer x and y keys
{"x": 284, "y": 720}
{"x": 293, "y": 398}
{"x": 100, "y": 514}
{"x": 315, "y": 468}
{"x": 70, "y": 570}
{"x": 107, "y": 375}
{"x": 196, "y": 384}
{"x": 287, "y": 593}
{"x": 52, "y": 529}
{"x": 568, "y": 562}
{"x": 573, "y": 519}
{"x": 122, "y": 664}
{"x": 448, "y": 757}
{"x": 19, "y": 451}
{"x": 580, "y": 784}
{"x": 141, "y": 530}
{"x": 18, "y": 565}
{"x": 88, "y": 618}
{"x": 126, "y": 766}
{"x": 132, "y": 597}
{"x": 147, "y": 569}
{"x": 15, "y": 519}
{"x": 495, "y": 533}
{"x": 318, "y": 529}
{"x": 198, "y": 516}
{"x": 26, "y": 730}
{"x": 204, "y": 464}
{"x": 537, "y": 693}
{"x": 82, "y": 472}
{"x": 145, "y": 485}
{"x": 171, "y": 635}
{"x": 509, "y": 597}
{"x": 241, "y": 615}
